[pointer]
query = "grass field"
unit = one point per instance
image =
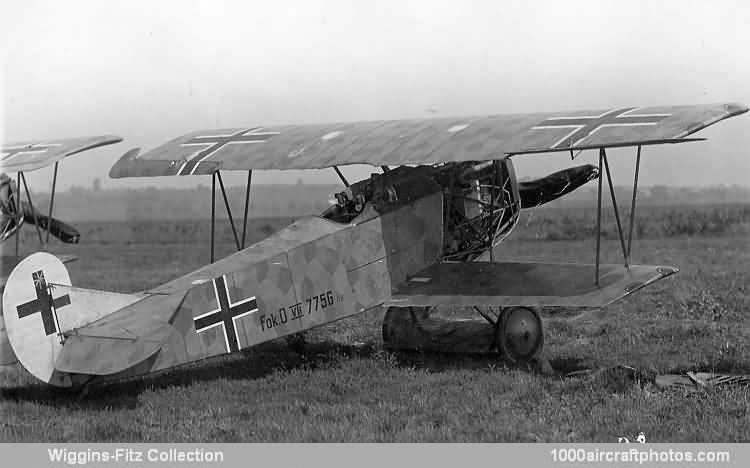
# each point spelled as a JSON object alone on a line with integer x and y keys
{"x": 341, "y": 386}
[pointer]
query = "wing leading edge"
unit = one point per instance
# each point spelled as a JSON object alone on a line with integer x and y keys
{"x": 419, "y": 141}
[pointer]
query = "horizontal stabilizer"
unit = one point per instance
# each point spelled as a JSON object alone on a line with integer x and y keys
{"x": 120, "y": 340}
{"x": 524, "y": 284}
{"x": 86, "y": 352}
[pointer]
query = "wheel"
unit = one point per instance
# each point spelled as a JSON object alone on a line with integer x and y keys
{"x": 519, "y": 334}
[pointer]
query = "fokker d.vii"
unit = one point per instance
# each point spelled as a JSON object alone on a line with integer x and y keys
{"x": 418, "y": 235}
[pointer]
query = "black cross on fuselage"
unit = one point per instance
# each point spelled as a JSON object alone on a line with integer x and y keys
{"x": 226, "y": 314}
{"x": 583, "y": 127}
{"x": 216, "y": 142}
{"x": 43, "y": 303}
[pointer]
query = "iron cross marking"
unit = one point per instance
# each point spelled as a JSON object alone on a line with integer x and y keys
{"x": 43, "y": 303}
{"x": 226, "y": 314}
{"x": 214, "y": 143}
{"x": 584, "y": 127}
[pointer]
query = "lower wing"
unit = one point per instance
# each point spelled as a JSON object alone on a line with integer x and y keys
{"x": 524, "y": 284}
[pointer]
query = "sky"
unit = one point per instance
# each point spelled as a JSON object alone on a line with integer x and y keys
{"x": 152, "y": 71}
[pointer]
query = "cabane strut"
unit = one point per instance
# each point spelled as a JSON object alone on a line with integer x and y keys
{"x": 240, "y": 244}
{"x": 21, "y": 181}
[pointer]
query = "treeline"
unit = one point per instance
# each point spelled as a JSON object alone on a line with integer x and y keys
{"x": 658, "y": 195}
{"x": 271, "y": 201}
{"x": 652, "y": 222}
{"x": 152, "y": 203}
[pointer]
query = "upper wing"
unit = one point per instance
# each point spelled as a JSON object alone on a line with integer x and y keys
{"x": 419, "y": 141}
{"x": 31, "y": 155}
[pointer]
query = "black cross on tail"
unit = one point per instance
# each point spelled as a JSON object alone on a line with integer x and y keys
{"x": 214, "y": 143}
{"x": 584, "y": 126}
{"x": 43, "y": 303}
{"x": 225, "y": 314}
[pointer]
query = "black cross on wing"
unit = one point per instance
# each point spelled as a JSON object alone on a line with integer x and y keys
{"x": 583, "y": 127}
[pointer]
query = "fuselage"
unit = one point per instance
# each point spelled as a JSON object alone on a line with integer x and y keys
{"x": 315, "y": 271}
{"x": 324, "y": 268}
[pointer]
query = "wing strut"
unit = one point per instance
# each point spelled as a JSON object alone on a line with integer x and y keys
{"x": 341, "y": 176}
{"x": 31, "y": 206}
{"x": 625, "y": 250}
{"x": 213, "y": 212}
{"x": 632, "y": 205}
{"x": 247, "y": 204}
{"x": 614, "y": 205}
{"x": 229, "y": 210}
{"x": 598, "y": 219}
{"x": 20, "y": 211}
{"x": 52, "y": 198}
{"x": 240, "y": 244}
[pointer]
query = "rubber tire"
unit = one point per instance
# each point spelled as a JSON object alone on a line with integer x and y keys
{"x": 506, "y": 348}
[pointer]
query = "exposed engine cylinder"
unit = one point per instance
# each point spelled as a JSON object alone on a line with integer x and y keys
{"x": 481, "y": 207}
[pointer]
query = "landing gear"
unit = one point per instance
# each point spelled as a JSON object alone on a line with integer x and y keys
{"x": 519, "y": 335}
{"x": 514, "y": 332}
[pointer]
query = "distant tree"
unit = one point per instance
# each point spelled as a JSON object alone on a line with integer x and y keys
{"x": 97, "y": 185}
{"x": 659, "y": 194}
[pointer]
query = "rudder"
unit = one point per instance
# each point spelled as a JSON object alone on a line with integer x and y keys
{"x": 41, "y": 307}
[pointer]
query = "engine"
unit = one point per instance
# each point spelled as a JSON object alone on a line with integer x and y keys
{"x": 481, "y": 203}
{"x": 481, "y": 207}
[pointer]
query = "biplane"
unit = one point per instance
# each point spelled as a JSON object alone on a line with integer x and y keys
{"x": 417, "y": 234}
{"x": 16, "y": 212}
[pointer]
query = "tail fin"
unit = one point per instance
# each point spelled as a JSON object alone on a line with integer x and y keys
{"x": 41, "y": 307}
